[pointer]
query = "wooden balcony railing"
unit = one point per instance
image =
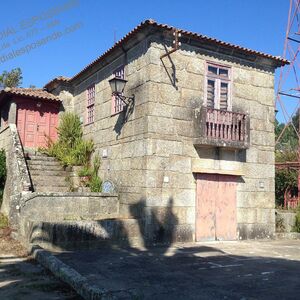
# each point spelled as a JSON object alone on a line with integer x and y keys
{"x": 223, "y": 128}
{"x": 225, "y": 125}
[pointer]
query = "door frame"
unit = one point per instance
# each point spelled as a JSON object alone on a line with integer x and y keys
{"x": 197, "y": 175}
{"x": 52, "y": 106}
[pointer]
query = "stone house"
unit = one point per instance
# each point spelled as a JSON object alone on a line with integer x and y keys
{"x": 35, "y": 111}
{"x": 192, "y": 156}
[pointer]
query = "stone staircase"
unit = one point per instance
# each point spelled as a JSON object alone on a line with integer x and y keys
{"x": 47, "y": 175}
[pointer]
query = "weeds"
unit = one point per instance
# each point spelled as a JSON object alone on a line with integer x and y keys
{"x": 296, "y": 227}
{"x": 93, "y": 180}
{"x": 3, "y": 221}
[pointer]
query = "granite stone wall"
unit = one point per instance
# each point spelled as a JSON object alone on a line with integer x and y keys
{"x": 178, "y": 83}
{"x": 18, "y": 181}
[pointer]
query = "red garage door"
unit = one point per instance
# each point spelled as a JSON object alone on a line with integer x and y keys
{"x": 35, "y": 123}
{"x": 216, "y": 207}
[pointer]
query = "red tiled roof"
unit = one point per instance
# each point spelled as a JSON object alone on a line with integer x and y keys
{"x": 151, "y": 22}
{"x": 57, "y": 79}
{"x": 277, "y": 59}
{"x": 30, "y": 92}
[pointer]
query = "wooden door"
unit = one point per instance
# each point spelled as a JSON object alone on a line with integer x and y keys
{"x": 216, "y": 207}
{"x": 26, "y": 124}
{"x": 35, "y": 123}
{"x": 42, "y": 127}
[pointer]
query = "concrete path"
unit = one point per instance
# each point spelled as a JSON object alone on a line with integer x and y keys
{"x": 218, "y": 270}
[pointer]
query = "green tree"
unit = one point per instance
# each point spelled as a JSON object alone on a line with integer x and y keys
{"x": 284, "y": 179}
{"x": 286, "y": 151}
{"x": 289, "y": 139}
{"x": 11, "y": 78}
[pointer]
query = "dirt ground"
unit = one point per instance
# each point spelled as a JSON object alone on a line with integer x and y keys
{"x": 9, "y": 246}
{"x": 22, "y": 278}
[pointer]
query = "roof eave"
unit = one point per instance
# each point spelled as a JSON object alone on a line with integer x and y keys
{"x": 149, "y": 27}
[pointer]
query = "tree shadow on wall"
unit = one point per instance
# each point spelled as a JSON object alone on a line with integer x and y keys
{"x": 156, "y": 272}
{"x": 149, "y": 226}
{"x": 157, "y": 225}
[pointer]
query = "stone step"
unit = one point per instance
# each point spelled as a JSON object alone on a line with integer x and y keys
{"x": 47, "y": 172}
{"x": 42, "y": 158}
{"x": 39, "y": 167}
{"x": 48, "y": 183}
{"x": 44, "y": 163}
{"x": 51, "y": 189}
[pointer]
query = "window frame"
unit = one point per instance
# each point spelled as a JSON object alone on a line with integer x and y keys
{"x": 218, "y": 81}
{"x": 114, "y": 98}
{"x": 90, "y": 105}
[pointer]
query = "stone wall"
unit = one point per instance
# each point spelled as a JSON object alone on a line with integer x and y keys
{"x": 64, "y": 209}
{"x": 177, "y": 89}
{"x": 122, "y": 136}
{"x": 150, "y": 152}
{"x": 285, "y": 221}
{"x": 71, "y": 235}
{"x": 50, "y": 207}
{"x": 18, "y": 181}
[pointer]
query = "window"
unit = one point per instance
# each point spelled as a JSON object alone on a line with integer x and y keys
{"x": 218, "y": 87}
{"x": 90, "y": 104}
{"x": 117, "y": 103}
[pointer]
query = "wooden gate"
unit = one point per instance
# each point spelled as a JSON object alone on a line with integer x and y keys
{"x": 216, "y": 207}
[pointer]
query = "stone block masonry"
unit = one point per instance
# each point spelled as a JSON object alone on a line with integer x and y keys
{"x": 150, "y": 149}
{"x": 18, "y": 181}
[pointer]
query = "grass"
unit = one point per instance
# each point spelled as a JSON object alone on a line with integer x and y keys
{"x": 3, "y": 221}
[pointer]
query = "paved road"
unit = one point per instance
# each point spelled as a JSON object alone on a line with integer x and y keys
{"x": 231, "y": 270}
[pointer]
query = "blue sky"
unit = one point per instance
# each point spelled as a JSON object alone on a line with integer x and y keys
{"x": 256, "y": 24}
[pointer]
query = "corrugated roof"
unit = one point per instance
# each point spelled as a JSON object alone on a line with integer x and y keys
{"x": 30, "y": 92}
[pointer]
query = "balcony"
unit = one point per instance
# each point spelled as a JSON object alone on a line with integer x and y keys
{"x": 219, "y": 128}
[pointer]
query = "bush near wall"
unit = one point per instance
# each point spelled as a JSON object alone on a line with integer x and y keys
{"x": 72, "y": 150}
{"x": 284, "y": 179}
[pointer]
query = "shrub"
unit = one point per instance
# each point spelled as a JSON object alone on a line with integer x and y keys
{"x": 296, "y": 227}
{"x": 69, "y": 130}
{"x": 94, "y": 182}
{"x": 85, "y": 171}
{"x": 3, "y": 221}
{"x": 284, "y": 179}
{"x": 71, "y": 149}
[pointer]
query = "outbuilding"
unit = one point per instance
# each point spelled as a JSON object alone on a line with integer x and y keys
{"x": 34, "y": 111}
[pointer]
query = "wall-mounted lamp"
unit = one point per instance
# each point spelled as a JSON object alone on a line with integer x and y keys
{"x": 117, "y": 86}
{"x": 39, "y": 104}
